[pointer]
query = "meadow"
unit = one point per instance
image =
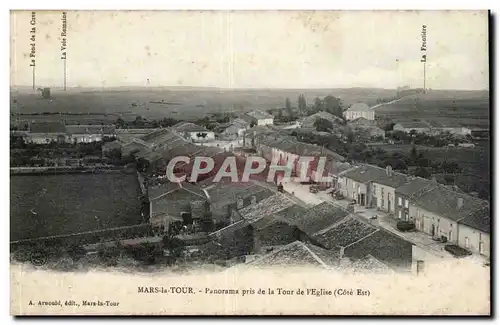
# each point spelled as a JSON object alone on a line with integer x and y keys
{"x": 50, "y": 205}
{"x": 178, "y": 103}
{"x": 469, "y": 108}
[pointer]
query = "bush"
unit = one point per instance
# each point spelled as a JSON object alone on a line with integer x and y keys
{"x": 405, "y": 225}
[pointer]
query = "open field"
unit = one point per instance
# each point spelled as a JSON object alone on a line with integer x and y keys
{"x": 51, "y": 205}
{"x": 469, "y": 108}
{"x": 179, "y": 103}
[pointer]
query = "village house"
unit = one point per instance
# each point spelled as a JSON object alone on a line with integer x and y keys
{"x": 236, "y": 128}
{"x": 268, "y": 219}
{"x": 89, "y": 133}
{"x": 359, "y": 110}
{"x": 287, "y": 153}
{"x": 46, "y": 132}
{"x": 449, "y": 126}
{"x": 355, "y": 184}
{"x": 384, "y": 187}
{"x": 258, "y": 118}
{"x": 439, "y": 212}
{"x": 405, "y": 192}
{"x": 193, "y": 132}
{"x": 474, "y": 232}
{"x": 171, "y": 204}
{"x": 416, "y": 126}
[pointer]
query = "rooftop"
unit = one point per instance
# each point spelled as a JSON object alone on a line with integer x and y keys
{"x": 90, "y": 129}
{"x": 347, "y": 232}
{"x": 260, "y": 115}
{"x": 189, "y": 127}
{"x": 449, "y": 204}
{"x": 318, "y": 218}
{"x": 368, "y": 173}
{"x": 268, "y": 206}
{"x": 415, "y": 186}
{"x": 359, "y": 107}
{"x": 479, "y": 219}
{"x": 298, "y": 254}
{"x": 414, "y": 124}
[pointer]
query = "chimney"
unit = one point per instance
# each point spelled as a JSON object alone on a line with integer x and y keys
{"x": 388, "y": 170}
{"x": 239, "y": 203}
{"x": 460, "y": 203}
{"x": 206, "y": 194}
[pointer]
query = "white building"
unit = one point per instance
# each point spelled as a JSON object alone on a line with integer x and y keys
{"x": 258, "y": 118}
{"x": 194, "y": 132}
{"x": 359, "y": 110}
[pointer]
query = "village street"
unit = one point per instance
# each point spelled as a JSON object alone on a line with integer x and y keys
{"x": 382, "y": 220}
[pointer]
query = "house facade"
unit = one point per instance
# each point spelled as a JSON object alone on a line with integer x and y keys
{"x": 258, "y": 118}
{"x": 359, "y": 110}
{"x": 409, "y": 126}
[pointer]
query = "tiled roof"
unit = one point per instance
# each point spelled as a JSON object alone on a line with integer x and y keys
{"x": 479, "y": 219}
{"x": 297, "y": 254}
{"x": 368, "y": 173}
{"x": 157, "y": 191}
{"x": 311, "y": 119}
{"x": 415, "y": 186}
{"x": 240, "y": 123}
{"x": 189, "y": 127}
{"x": 155, "y": 135}
{"x": 318, "y": 218}
{"x": 260, "y": 115}
{"x": 359, "y": 107}
{"x": 47, "y": 127}
{"x": 300, "y": 148}
{"x": 345, "y": 233}
{"x": 268, "y": 206}
{"x": 444, "y": 202}
{"x": 386, "y": 247}
{"x": 369, "y": 264}
{"x": 90, "y": 129}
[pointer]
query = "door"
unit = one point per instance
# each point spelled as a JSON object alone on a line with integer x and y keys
{"x": 433, "y": 230}
{"x": 481, "y": 248}
{"x": 362, "y": 201}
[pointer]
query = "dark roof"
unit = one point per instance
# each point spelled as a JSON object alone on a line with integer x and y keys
{"x": 300, "y": 148}
{"x": 386, "y": 247}
{"x": 368, "y": 173}
{"x": 416, "y": 186}
{"x": 90, "y": 129}
{"x": 395, "y": 180}
{"x": 155, "y": 135}
{"x": 359, "y": 107}
{"x": 298, "y": 254}
{"x": 318, "y": 218}
{"x": 268, "y": 206}
{"x": 47, "y": 127}
{"x": 479, "y": 219}
{"x": 345, "y": 233}
{"x": 444, "y": 202}
{"x": 189, "y": 127}
{"x": 155, "y": 192}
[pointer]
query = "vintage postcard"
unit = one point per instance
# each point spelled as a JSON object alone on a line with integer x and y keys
{"x": 249, "y": 163}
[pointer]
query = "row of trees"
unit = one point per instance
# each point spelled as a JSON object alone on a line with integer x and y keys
{"x": 330, "y": 104}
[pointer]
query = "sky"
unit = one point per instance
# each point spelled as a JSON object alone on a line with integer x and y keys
{"x": 252, "y": 49}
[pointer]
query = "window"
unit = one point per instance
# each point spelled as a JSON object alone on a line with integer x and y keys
{"x": 467, "y": 243}
{"x": 481, "y": 248}
{"x": 400, "y": 201}
{"x": 353, "y": 185}
{"x": 406, "y": 204}
{"x": 399, "y": 214}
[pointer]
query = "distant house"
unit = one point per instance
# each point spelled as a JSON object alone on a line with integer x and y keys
{"x": 236, "y": 128}
{"x": 46, "y": 132}
{"x": 408, "y": 126}
{"x": 193, "y": 132}
{"x": 310, "y": 120}
{"x": 474, "y": 231}
{"x": 258, "y": 118}
{"x": 453, "y": 127}
{"x": 90, "y": 133}
{"x": 359, "y": 110}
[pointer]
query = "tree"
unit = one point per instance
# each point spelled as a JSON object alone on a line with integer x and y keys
{"x": 323, "y": 125}
{"x": 120, "y": 123}
{"x": 333, "y": 105}
{"x": 302, "y": 104}
{"x": 413, "y": 154}
{"x": 288, "y": 107}
{"x": 423, "y": 172}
